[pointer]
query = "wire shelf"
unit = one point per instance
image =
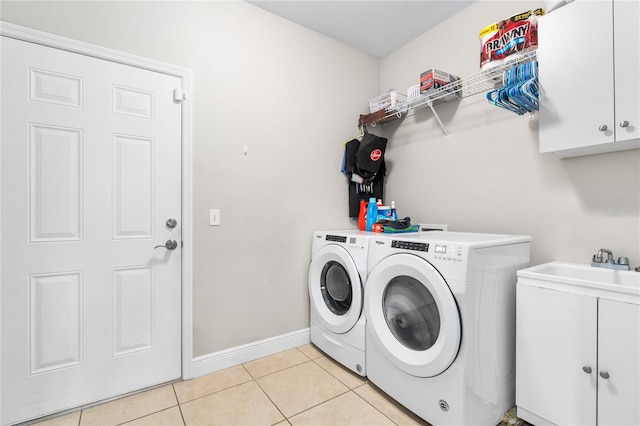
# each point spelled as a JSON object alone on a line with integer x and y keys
{"x": 474, "y": 84}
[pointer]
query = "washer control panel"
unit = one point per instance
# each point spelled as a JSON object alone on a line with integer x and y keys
{"x": 446, "y": 252}
{"x": 410, "y": 245}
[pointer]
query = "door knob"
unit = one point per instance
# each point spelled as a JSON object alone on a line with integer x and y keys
{"x": 171, "y": 223}
{"x": 624, "y": 123}
{"x": 604, "y": 374}
{"x": 169, "y": 245}
{"x": 586, "y": 369}
{"x": 603, "y": 128}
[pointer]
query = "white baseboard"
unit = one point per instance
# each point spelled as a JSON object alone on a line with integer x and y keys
{"x": 216, "y": 361}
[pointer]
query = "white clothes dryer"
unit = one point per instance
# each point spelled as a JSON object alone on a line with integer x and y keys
{"x": 337, "y": 278}
{"x": 440, "y": 323}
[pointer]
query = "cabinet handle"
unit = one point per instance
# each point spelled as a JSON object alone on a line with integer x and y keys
{"x": 586, "y": 369}
{"x": 624, "y": 123}
{"x": 603, "y": 127}
{"x": 604, "y": 374}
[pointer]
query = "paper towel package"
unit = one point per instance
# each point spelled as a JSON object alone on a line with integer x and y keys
{"x": 509, "y": 38}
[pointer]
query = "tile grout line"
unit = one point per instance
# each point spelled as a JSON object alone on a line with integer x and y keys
{"x": 157, "y": 411}
{"x": 335, "y": 377}
{"x": 179, "y": 405}
{"x": 344, "y": 393}
{"x": 352, "y": 390}
{"x": 374, "y": 407}
{"x": 146, "y": 415}
{"x": 272, "y": 401}
{"x": 213, "y": 393}
{"x": 320, "y": 403}
{"x": 265, "y": 393}
{"x": 255, "y": 380}
{"x": 309, "y": 359}
{"x": 252, "y": 379}
{"x": 279, "y": 371}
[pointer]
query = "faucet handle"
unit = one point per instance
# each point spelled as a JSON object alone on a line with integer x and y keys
{"x": 623, "y": 260}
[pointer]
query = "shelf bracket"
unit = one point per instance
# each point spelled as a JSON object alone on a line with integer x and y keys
{"x": 435, "y": 114}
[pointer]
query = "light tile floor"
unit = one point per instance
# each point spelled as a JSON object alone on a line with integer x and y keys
{"x": 300, "y": 386}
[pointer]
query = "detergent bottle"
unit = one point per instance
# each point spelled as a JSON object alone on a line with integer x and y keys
{"x": 372, "y": 213}
{"x": 362, "y": 216}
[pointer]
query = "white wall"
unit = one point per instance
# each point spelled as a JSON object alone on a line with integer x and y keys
{"x": 291, "y": 96}
{"x": 488, "y": 175}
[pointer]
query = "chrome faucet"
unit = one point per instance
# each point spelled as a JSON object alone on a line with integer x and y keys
{"x": 599, "y": 257}
{"x": 600, "y": 262}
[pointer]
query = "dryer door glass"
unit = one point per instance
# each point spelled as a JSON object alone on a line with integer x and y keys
{"x": 335, "y": 286}
{"x": 411, "y": 313}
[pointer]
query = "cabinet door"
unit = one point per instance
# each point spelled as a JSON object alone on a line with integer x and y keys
{"x": 627, "y": 69}
{"x": 555, "y": 339}
{"x": 619, "y": 358}
{"x": 575, "y": 52}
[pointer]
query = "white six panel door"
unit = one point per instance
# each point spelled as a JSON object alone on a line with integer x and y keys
{"x": 91, "y": 171}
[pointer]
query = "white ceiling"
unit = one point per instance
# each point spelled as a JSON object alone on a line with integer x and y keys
{"x": 375, "y": 27}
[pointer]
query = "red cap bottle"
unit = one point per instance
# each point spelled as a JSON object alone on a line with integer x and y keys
{"x": 362, "y": 217}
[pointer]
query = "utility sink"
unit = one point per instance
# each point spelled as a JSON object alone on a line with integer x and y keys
{"x": 583, "y": 278}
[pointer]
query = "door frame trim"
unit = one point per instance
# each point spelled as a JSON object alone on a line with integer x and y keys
{"x": 186, "y": 75}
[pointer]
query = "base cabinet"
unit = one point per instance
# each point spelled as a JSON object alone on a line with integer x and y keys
{"x": 619, "y": 358}
{"x": 577, "y": 358}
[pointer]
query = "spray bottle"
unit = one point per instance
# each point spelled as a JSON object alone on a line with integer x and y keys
{"x": 394, "y": 214}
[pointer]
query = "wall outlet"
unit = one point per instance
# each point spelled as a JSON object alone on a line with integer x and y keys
{"x": 214, "y": 217}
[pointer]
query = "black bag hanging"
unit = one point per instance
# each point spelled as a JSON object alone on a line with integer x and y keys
{"x": 370, "y": 156}
{"x": 359, "y": 191}
{"x": 363, "y": 165}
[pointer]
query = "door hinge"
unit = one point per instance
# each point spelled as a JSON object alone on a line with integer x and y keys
{"x": 179, "y": 95}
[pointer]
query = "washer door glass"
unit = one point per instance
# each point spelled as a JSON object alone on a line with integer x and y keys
{"x": 411, "y": 313}
{"x": 335, "y": 286}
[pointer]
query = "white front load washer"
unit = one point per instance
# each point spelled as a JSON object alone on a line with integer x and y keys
{"x": 337, "y": 278}
{"x": 440, "y": 323}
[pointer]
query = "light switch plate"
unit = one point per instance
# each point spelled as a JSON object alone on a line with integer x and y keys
{"x": 214, "y": 217}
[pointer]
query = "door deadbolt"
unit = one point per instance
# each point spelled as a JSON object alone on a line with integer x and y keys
{"x": 171, "y": 223}
{"x": 169, "y": 245}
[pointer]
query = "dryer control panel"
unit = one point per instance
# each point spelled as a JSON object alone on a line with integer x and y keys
{"x": 350, "y": 241}
{"x": 336, "y": 238}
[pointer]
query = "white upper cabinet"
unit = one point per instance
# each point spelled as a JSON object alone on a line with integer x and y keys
{"x": 626, "y": 37}
{"x": 589, "y": 55}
